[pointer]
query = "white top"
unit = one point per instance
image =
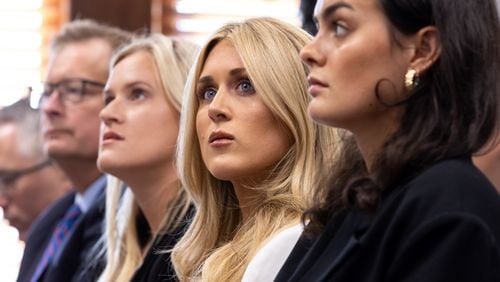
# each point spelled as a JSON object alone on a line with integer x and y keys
{"x": 268, "y": 261}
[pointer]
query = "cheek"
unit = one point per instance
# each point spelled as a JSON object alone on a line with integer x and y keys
{"x": 201, "y": 125}
{"x": 281, "y": 141}
{"x": 270, "y": 138}
{"x": 87, "y": 126}
{"x": 25, "y": 191}
{"x": 166, "y": 137}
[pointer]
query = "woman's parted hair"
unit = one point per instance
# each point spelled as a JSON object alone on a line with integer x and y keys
{"x": 452, "y": 113}
{"x": 269, "y": 50}
{"x": 172, "y": 58}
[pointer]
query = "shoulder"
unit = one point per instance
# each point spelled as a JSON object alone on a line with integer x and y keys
{"x": 454, "y": 174}
{"x": 437, "y": 247}
{"x": 267, "y": 262}
{"x": 451, "y": 188}
{"x": 51, "y": 215}
{"x": 454, "y": 184}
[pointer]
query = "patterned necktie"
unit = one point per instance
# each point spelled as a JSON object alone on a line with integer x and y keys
{"x": 63, "y": 228}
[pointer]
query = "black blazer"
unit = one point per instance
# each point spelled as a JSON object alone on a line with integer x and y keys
{"x": 67, "y": 264}
{"x": 443, "y": 225}
{"x": 157, "y": 265}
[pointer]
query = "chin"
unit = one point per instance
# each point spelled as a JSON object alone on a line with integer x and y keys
{"x": 222, "y": 173}
{"x": 106, "y": 167}
{"x": 58, "y": 152}
{"x": 106, "y": 163}
{"x": 320, "y": 117}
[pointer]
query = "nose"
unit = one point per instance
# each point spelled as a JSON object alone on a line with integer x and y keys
{"x": 111, "y": 113}
{"x": 218, "y": 110}
{"x": 52, "y": 105}
{"x": 4, "y": 201}
{"x": 311, "y": 55}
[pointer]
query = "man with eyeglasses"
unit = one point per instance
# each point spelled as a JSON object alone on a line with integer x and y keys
{"x": 29, "y": 182}
{"x": 69, "y": 102}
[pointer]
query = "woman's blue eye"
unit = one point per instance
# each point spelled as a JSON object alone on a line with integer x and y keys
{"x": 137, "y": 94}
{"x": 246, "y": 86}
{"x": 209, "y": 94}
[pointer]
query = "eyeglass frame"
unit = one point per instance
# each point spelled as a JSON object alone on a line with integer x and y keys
{"x": 64, "y": 93}
{"x": 9, "y": 177}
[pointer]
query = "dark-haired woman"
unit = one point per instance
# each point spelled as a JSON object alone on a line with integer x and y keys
{"x": 415, "y": 83}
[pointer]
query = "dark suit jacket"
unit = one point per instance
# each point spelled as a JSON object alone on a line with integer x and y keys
{"x": 443, "y": 225}
{"x": 39, "y": 235}
{"x": 66, "y": 264}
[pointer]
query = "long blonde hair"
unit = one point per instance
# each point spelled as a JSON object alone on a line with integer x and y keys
{"x": 218, "y": 245}
{"x": 173, "y": 58}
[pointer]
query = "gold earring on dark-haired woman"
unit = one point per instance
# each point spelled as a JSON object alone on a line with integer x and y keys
{"x": 411, "y": 79}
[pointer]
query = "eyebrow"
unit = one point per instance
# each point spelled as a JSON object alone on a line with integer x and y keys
{"x": 209, "y": 79}
{"x": 205, "y": 80}
{"x": 237, "y": 71}
{"x": 332, "y": 9}
{"x": 128, "y": 86}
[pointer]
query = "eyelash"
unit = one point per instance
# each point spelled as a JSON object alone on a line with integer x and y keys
{"x": 202, "y": 94}
{"x": 137, "y": 94}
{"x": 339, "y": 24}
{"x": 245, "y": 81}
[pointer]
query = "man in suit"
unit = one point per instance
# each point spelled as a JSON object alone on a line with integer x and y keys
{"x": 29, "y": 182}
{"x": 70, "y": 104}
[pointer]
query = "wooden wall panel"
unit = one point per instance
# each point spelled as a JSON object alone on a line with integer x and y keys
{"x": 130, "y": 15}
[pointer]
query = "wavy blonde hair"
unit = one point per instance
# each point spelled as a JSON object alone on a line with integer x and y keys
{"x": 173, "y": 58}
{"x": 218, "y": 245}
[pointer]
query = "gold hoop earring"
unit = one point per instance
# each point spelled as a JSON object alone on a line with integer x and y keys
{"x": 411, "y": 79}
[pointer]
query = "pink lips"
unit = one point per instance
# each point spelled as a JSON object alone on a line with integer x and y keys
{"x": 111, "y": 136}
{"x": 315, "y": 86}
{"x": 220, "y": 138}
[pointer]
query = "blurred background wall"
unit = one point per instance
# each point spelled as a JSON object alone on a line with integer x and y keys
{"x": 26, "y": 27}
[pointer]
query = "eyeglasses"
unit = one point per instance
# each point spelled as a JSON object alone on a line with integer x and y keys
{"x": 8, "y": 178}
{"x": 70, "y": 90}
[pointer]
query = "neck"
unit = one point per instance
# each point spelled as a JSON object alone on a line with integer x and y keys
{"x": 153, "y": 190}
{"x": 371, "y": 136}
{"x": 247, "y": 196}
{"x": 81, "y": 173}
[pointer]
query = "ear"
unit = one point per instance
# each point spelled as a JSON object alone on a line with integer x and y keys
{"x": 427, "y": 49}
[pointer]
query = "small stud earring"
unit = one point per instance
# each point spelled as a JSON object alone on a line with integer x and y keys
{"x": 411, "y": 79}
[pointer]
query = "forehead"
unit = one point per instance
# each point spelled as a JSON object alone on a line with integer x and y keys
{"x": 7, "y": 133}
{"x": 327, "y": 6}
{"x": 223, "y": 56}
{"x": 136, "y": 64}
{"x": 10, "y": 157}
{"x": 87, "y": 59}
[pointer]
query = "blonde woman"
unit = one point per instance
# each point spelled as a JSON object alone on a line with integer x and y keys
{"x": 138, "y": 143}
{"x": 248, "y": 152}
